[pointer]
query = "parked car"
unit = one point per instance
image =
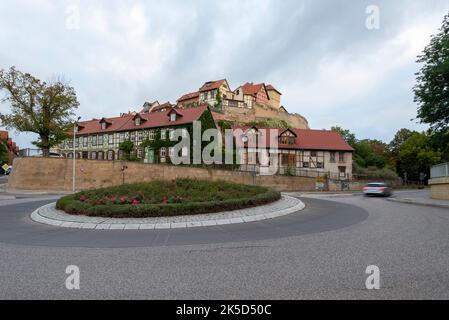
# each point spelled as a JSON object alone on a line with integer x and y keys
{"x": 377, "y": 189}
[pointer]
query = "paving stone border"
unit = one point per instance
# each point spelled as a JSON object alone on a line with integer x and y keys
{"x": 49, "y": 215}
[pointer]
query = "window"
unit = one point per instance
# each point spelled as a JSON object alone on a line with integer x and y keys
{"x": 110, "y": 155}
{"x": 111, "y": 139}
{"x": 171, "y": 133}
{"x": 93, "y": 155}
{"x": 100, "y": 140}
{"x": 171, "y": 152}
{"x": 85, "y": 144}
{"x": 80, "y": 141}
{"x": 137, "y": 121}
{"x": 85, "y": 154}
{"x": 332, "y": 156}
{"x": 163, "y": 134}
{"x": 103, "y": 126}
{"x": 133, "y": 136}
{"x": 121, "y": 137}
{"x": 94, "y": 140}
{"x": 163, "y": 152}
{"x": 70, "y": 143}
{"x": 172, "y": 116}
{"x": 76, "y": 143}
{"x": 320, "y": 165}
{"x": 151, "y": 135}
{"x": 140, "y": 153}
{"x": 287, "y": 140}
{"x": 100, "y": 155}
{"x": 140, "y": 136}
{"x": 289, "y": 159}
{"x": 342, "y": 171}
{"x": 305, "y": 164}
{"x": 341, "y": 157}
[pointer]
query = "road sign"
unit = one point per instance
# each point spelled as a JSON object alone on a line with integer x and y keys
{"x": 5, "y": 167}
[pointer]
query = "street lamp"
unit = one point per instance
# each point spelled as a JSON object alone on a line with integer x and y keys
{"x": 74, "y": 155}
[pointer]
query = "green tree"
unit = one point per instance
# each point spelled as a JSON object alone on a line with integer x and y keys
{"x": 3, "y": 153}
{"x": 218, "y": 100}
{"x": 346, "y": 134}
{"x": 432, "y": 81}
{"x": 416, "y": 155}
{"x": 126, "y": 146}
{"x": 36, "y": 106}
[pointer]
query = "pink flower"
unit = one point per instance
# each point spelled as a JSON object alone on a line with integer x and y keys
{"x": 135, "y": 202}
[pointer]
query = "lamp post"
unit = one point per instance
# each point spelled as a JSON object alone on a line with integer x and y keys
{"x": 74, "y": 155}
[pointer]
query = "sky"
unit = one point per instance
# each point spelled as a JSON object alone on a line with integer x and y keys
{"x": 342, "y": 62}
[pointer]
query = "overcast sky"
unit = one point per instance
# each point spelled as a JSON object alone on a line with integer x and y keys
{"x": 329, "y": 66}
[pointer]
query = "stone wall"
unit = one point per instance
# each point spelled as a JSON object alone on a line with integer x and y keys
{"x": 439, "y": 188}
{"x": 259, "y": 112}
{"x": 55, "y": 174}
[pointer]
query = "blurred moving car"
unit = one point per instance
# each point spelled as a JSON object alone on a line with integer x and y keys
{"x": 377, "y": 189}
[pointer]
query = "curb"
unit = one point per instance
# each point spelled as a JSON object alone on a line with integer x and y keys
{"x": 49, "y": 215}
{"x": 409, "y": 201}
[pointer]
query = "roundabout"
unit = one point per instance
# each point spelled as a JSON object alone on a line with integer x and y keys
{"x": 16, "y": 227}
{"x": 48, "y": 214}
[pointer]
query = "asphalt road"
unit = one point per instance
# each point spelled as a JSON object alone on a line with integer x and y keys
{"x": 321, "y": 252}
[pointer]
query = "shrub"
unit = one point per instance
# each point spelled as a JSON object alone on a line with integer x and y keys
{"x": 163, "y": 198}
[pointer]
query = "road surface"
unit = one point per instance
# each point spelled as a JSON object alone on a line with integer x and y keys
{"x": 319, "y": 253}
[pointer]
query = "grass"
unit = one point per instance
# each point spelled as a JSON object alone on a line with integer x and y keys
{"x": 166, "y": 198}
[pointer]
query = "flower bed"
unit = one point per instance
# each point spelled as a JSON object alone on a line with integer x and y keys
{"x": 166, "y": 198}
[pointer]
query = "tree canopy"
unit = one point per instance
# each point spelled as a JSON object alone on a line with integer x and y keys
{"x": 37, "y": 106}
{"x": 432, "y": 81}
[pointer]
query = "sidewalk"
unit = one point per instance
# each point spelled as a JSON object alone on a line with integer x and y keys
{"x": 419, "y": 197}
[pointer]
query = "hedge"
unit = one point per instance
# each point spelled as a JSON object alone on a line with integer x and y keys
{"x": 72, "y": 205}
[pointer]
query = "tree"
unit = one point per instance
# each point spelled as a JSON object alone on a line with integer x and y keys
{"x": 36, "y": 106}
{"x": 126, "y": 146}
{"x": 416, "y": 155}
{"x": 346, "y": 134}
{"x": 432, "y": 87}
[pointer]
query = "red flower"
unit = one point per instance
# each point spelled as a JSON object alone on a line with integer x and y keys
{"x": 135, "y": 202}
{"x": 83, "y": 198}
{"x": 123, "y": 199}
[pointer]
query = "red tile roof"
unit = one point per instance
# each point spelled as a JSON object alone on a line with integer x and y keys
{"x": 211, "y": 85}
{"x": 307, "y": 139}
{"x": 189, "y": 96}
{"x": 152, "y": 120}
{"x": 161, "y": 106}
{"x": 252, "y": 89}
{"x": 270, "y": 87}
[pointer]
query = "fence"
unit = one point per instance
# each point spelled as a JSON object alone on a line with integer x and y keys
{"x": 441, "y": 170}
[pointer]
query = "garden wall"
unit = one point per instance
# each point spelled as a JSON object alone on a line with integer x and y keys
{"x": 55, "y": 174}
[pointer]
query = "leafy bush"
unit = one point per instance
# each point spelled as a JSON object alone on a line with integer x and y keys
{"x": 166, "y": 198}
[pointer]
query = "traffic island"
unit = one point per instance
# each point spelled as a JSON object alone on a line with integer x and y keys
{"x": 49, "y": 215}
{"x": 167, "y": 204}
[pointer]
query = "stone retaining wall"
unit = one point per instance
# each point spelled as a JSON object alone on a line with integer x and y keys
{"x": 439, "y": 188}
{"x": 55, "y": 174}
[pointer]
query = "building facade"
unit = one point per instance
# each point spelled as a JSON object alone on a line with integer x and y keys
{"x": 99, "y": 139}
{"x": 293, "y": 150}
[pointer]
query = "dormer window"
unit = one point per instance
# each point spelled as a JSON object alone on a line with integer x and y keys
{"x": 137, "y": 121}
{"x": 172, "y": 116}
{"x": 104, "y": 124}
{"x": 287, "y": 137}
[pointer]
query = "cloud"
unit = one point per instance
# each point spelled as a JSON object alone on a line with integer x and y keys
{"x": 329, "y": 67}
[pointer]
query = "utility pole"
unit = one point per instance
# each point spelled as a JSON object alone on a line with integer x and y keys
{"x": 74, "y": 156}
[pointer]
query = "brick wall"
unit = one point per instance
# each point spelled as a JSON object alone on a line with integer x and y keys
{"x": 55, "y": 174}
